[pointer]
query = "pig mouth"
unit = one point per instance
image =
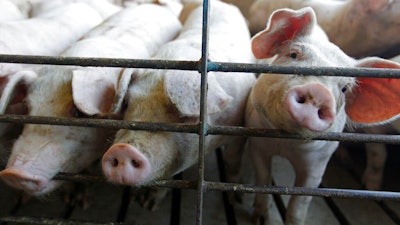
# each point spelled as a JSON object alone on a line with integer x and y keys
{"x": 23, "y": 180}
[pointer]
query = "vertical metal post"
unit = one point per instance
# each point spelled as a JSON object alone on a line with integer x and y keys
{"x": 203, "y": 112}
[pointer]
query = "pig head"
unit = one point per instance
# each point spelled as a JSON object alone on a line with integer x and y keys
{"x": 359, "y": 27}
{"x": 41, "y": 151}
{"x": 138, "y": 157}
{"x": 308, "y": 104}
{"x": 79, "y": 92}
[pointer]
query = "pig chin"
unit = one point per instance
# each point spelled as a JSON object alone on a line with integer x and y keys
{"x": 33, "y": 184}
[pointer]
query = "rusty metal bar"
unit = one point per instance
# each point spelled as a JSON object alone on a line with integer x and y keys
{"x": 194, "y": 128}
{"x": 195, "y": 65}
{"x": 100, "y": 62}
{"x": 77, "y": 177}
{"x": 250, "y": 188}
{"x": 203, "y": 126}
{"x": 323, "y": 192}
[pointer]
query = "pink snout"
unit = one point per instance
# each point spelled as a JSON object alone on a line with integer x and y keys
{"x": 312, "y": 106}
{"x": 124, "y": 164}
{"x": 22, "y": 179}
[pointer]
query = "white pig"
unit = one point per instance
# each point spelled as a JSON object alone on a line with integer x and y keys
{"x": 14, "y": 9}
{"x": 359, "y": 27}
{"x": 173, "y": 96}
{"x": 45, "y": 35}
{"x": 104, "y": 7}
{"x": 48, "y": 34}
{"x": 44, "y": 150}
{"x": 308, "y": 105}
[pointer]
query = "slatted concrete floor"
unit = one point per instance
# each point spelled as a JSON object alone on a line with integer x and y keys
{"x": 109, "y": 203}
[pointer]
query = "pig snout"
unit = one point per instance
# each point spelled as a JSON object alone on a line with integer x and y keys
{"x": 22, "y": 179}
{"x": 311, "y": 105}
{"x": 124, "y": 164}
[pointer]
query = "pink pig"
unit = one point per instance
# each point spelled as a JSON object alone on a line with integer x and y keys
{"x": 70, "y": 91}
{"x": 35, "y": 36}
{"x": 308, "y": 104}
{"x": 173, "y": 96}
{"x": 359, "y": 27}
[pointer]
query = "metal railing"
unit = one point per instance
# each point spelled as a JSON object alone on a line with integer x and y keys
{"x": 203, "y": 129}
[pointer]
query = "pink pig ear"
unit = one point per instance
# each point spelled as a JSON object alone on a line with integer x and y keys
{"x": 283, "y": 25}
{"x": 374, "y": 100}
{"x": 99, "y": 91}
{"x": 183, "y": 89}
{"x": 13, "y": 89}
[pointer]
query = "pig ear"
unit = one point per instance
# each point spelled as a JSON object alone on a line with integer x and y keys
{"x": 96, "y": 92}
{"x": 14, "y": 88}
{"x": 374, "y": 100}
{"x": 183, "y": 89}
{"x": 284, "y": 25}
{"x": 122, "y": 88}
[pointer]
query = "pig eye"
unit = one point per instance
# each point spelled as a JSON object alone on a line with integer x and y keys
{"x": 124, "y": 105}
{"x": 344, "y": 88}
{"x": 75, "y": 112}
{"x": 293, "y": 55}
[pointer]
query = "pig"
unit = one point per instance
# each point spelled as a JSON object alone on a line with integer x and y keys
{"x": 14, "y": 9}
{"x": 173, "y": 96}
{"x": 308, "y": 105}
{"x": 104, "y": 7}
{"x": 376, "y": 154}
{"x": 58, "y": 30}
{"x": 71, "y": 91}
{"x": 22, "y": 37}
{"x": 174, "y": 5}
{"x": 359, "y": 27}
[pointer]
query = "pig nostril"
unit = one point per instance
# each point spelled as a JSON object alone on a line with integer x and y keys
{"x": 301, "y": 99}
{"x": 323, "y": 114}
{"x": 135, "y": 163}
{"x": 115, "y": 162}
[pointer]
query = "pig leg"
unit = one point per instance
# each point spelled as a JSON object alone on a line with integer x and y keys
{"x": 262, "y": 164}
{"x": 376, "y": 157}
{"x": 232, "y": 158}
{"x": 308, "y": 174}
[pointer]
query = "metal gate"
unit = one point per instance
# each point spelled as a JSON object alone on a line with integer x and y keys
{"x": 203, "y": 129}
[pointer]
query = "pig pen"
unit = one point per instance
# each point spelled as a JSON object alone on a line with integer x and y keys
{"x": 199, "y": 195}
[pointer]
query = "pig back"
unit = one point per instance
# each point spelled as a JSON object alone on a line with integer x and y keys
{"x": 48, "y": 35}
{"x": 133, "y": 32}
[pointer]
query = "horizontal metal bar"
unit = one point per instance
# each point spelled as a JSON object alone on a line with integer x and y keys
{"x": 48, "y": 221}
{"x": 249, "y": 188}
{"x": 195, "y": 65}
{"x": 100, "y": 62}
{"x": 76, "y": 177}
{"x": 322, "y": 71}
{"x": 322, "y": 192}
{"x": 193, "y": 128}
{"x": 100, "y": 123}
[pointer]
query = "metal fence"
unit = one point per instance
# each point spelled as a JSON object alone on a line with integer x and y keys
{"x": 203, "y": 129}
